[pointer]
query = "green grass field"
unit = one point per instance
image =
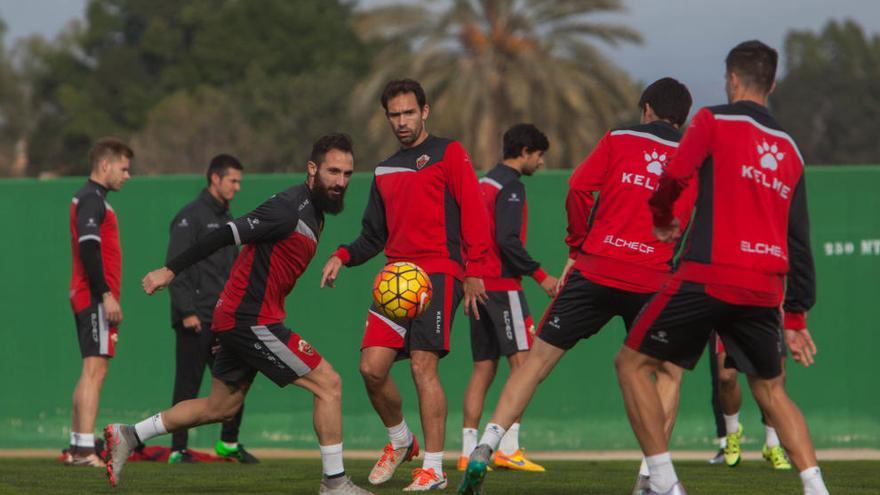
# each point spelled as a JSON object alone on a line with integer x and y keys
{"x": 38, "y": 476}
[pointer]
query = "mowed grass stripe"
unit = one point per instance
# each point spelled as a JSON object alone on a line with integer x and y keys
{"x": 40, "y": 476}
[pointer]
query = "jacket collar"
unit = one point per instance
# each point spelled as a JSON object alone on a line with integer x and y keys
{"x": 216, "y": 205}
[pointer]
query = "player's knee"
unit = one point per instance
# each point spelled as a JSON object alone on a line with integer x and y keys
{"x": 372, "y": 375}
{"x": 95, "y": 374}
{"x": 331, "y": 387}
{"x": 624, "y": 363}
{"x": 727, "y": 380}
{"x": 423, "y": 370}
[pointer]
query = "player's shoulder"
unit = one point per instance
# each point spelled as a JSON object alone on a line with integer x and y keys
{"x": 658, "y": 132}
{"x": 745, "y": 111}
{"x": 432, "y": 150}
{"x": 91, "y": 195}
{"x": 503, "y": 178}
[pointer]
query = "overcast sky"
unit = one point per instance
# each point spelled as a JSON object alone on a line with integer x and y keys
{"x": 685, "y": 39}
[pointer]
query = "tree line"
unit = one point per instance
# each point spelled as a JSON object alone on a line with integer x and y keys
{"x": 184, "y": 80}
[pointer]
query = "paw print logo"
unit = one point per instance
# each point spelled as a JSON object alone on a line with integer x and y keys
{"x": 770, "y": 155}
{"x": 656, "y": 162}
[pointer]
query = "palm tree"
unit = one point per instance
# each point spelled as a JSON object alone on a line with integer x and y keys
{"x": 487, "y": 64}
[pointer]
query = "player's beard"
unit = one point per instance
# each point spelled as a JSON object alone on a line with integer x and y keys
{"x": 321, "y": 197}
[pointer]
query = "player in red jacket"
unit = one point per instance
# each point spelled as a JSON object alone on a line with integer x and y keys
{"x": 425, "y": 207}
{"x": 615, "y": 262}
{"x": 95, "y": 288}
{"x": 747, "y": 251}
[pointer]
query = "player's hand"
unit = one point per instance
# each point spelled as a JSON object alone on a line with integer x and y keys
{"x": 112, "y": 309}
{"x": 157, "y": 280}
{"x": 669, "y": 233}
{"x": 193, "y": 323}
{"x": 474, "y": 292}
{"x": 569, "y": 263}
{"x": 801, "y": 345}
{"x": 330, "y": 272}
{"x": 550, "y": 285}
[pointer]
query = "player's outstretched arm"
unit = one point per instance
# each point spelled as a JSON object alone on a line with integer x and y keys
{"x": 331, "y": 271}
{"x": 159, "y": 279}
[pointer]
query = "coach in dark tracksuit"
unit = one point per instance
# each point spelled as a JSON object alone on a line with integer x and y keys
{"x": 194, "y": 294}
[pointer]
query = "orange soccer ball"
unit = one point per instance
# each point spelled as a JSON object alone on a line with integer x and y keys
{"x": 402, "y": 291}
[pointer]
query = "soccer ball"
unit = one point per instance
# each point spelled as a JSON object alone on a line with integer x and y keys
{"x": 402, "y": 291}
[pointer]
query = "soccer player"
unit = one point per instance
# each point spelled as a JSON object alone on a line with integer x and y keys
{"x": 194, "y": 294}
{"x": 94, "y": 288}
{"x": 615, "y": 263}
{"x": 729, "y": 402}
{"x": 747, "y": 250}
{"x": 425, "y": 207}
{"x": 505, "y": 326}
{"x": 280, "y": 238}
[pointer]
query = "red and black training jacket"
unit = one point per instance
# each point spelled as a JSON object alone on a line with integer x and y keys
{"x": 425, "y": 207}
{"x": 611, "y": 238}
{"x": 508, "y": 211}
{"x": 750, "y": 240}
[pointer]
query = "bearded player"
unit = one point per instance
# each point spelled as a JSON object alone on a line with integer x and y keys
{"x": 280, "y": 238}
{"x": 425, "y": 207}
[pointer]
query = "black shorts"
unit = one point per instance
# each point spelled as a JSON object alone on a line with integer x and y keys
{"x": 426, "y": 332}
{"x": 505, "y": 326}
{"x": 273, "y": 350}
{"x": 677, "y": 323}
{"x": 96, "y": 336}
{"x": 583, "y": 307}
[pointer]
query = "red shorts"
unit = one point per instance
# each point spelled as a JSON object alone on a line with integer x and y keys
{"x": 426, "y": 332}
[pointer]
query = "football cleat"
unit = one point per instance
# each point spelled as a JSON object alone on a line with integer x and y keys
{"x": 237, "y": 453}
{"x": 733, "y": 451}
{"x": 718, "y": 458}
{"x": 91, "y": 460}
{"x": 642, "y": 486}
{"x": 472, "y": 482}
{"x": 676, "y": 489}
{"x": 120, "y": 440}
{"x": 341, "y": 486}
{"x": 776, "y": 456}
{"x": 517, "y": 462}
{"x": 182, "y": 457}
{"x": 391, "y": 459}
{"x": 463, "y": 461}
{"x": 425, "y": 480}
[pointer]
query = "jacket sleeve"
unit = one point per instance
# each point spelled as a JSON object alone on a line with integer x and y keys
{"x": 508, "y": 229}
{"x": 800, "y": 292}
{"x": 587, "y": 178}
{"x": 183, "y": 234}
{"x": 692, "y": 152}
{"x": 465, "y": 189}
{"x": 271, "y": 221}
{"x": 90, "y": 211}
{"x": 374, "y": 232}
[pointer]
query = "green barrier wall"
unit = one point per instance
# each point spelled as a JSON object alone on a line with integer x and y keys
{"x": 578, "y": 407}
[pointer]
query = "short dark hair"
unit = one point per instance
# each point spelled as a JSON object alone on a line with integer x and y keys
{"x": 669, "y": 99}
{"x": 755, "y": 63}
{"x": 221, "y": 164}
{"x": 334, "y": 141}
{"x": 109, "y": 147}
{"x": 403, "y": 86}
{"x": 524, "y": 136}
